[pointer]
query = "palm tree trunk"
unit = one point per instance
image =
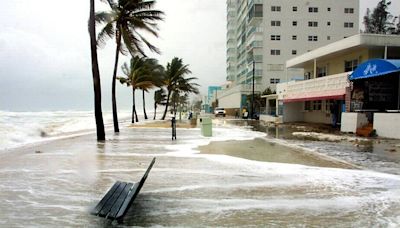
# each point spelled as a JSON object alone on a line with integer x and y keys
{"x": 96, "y": 76}
{"x": 174, "y": 108}
{"x": 166, "y": 105}
{"x": 114, "y": 80}
{"x": 137, "y": 119}
{"x": 155, "y": 110}
{"x": 133, "y": 105}
{"x": 144, "y": 107}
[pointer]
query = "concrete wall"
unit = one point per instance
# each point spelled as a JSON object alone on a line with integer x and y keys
{"x": 268, "y": 118}
{"x": 387, "y": 125}
{"x": 317, "y": 117}
{"x": 230, "y": 101}
{"x": 352, "y": 120}
{"x": 293, "y": 112}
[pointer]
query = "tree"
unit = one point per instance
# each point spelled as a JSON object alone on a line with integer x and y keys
{"x": 96, "y": 75}
{"x": 174, "y": 72}
{"x": 155, "y": 73}
{"x": 139, "y": 74}
{"x": 124, "y": 21}
{"x": 159, "y": 99}
{"x": 380, "y": 20}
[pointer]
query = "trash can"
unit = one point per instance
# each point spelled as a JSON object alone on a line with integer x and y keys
{"x": 206, "y": 126}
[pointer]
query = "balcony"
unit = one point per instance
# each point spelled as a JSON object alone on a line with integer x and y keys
{"x": 242, "y": 88}
{"x": 255, "y": 14}
{"x": 328, "y": 87}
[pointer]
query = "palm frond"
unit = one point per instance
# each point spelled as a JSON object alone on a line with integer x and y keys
{"x": 107, "y": 32}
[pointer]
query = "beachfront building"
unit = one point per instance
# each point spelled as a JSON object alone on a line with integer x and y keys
{"x": 326, "y": 89}
{"x": 212, "y": 97}
{"x": 263, "y": 34}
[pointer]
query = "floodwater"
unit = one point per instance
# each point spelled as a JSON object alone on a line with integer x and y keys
{"x": 382, "y": 155}
{"x": 57, "y": 183}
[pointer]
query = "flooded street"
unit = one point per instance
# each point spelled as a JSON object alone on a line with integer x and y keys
{"x": 236, "y": 178}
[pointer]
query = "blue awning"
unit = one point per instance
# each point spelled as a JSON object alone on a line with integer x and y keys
{"x": 375, "y": 67}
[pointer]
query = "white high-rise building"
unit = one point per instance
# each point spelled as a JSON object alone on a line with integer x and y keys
{"x": 266, "y": 33}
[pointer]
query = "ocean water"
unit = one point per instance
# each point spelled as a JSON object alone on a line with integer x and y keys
{"x": 22, "y": 128}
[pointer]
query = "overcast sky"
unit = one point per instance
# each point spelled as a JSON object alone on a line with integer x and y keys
{"x": 45, "y": 55}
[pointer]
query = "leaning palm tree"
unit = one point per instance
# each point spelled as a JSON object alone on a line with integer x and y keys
{"x": 96, "y": 75}
{"x": 124, "y": 22}
{"x": 174, "y": 72}
{"x": 155, "y": 73}
{"x": 138, "y": 75}
{"x": 159, "y": 99}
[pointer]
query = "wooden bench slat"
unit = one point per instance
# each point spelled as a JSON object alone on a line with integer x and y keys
{"x": 119, "y": 202}
{"x": 133, "y": 193}
{"x": 106, "y": 209}
{"x": 116, "y": 202}
{"x": 128, "y": 201}
{"x": 104, "y": 200}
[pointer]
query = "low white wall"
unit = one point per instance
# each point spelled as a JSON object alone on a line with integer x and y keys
{"x": 353, "y": 120}
{"x": 268, "y": 118}
{"x": 387, "y": 125}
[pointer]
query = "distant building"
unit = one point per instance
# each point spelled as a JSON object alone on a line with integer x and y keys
{"x": 212, "y": 96}
{"x": 265, "y": 33}
{"x": 326, "y": 88}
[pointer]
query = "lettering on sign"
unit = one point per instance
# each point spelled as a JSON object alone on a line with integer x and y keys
{"x": 371, "y": 69}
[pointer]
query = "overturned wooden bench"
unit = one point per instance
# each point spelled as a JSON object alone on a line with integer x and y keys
{"x": 119, "y": 198}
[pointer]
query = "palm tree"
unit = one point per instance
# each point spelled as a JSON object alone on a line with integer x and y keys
{"x": 124, "y": 21}
{"x": 159, "y": 99}
{"x": 96, "y": 75}
{"x": 139, "y": 75}
{"x": 155, "y": 73}
{"x": 184, "y": 86}
{"x": 174, "y": 72}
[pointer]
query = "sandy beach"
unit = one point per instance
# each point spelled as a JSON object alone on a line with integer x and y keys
{"x": 225, "y": 180}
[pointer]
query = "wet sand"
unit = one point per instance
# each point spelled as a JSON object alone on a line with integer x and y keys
{"x": 261, "y": 150}
{"x": 59, "y": 185}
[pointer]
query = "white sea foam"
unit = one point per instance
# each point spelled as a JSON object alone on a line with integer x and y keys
{"x": 21, "y": 128}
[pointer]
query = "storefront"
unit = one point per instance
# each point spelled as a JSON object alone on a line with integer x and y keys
{"x": 375, "y": 97}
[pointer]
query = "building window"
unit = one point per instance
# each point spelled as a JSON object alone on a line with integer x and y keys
{"x": 350, "y": 65}
{"x": 294, "y": 37}
{"x": 275, "y": 52}
{"x": 307, "y": 106}
{"x": 328, "y": 105}
{"x": 312, "y": 38}
{"x": 275, "y": 37}
{"x": 294, "y": 52}
{"x": 317, "y": 105}
{"x": 329, "y": 9}
{"x": 322, "y": 71}
{"x": 348, "y": 10}
{"x": 275, "y": 8}
{"x": 275, "y": 23}
{"x": 274, "y": 80}
{"x": 348, "y": 24}
{"x": 294, "y": 23}
{"x": 313, "y": 9}
{"x": 313, "y": 24}
{"x": 294, "y": 8}
{"x": 328, "y": 23}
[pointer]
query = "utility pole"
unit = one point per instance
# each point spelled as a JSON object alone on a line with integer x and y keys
{"x": 252, "y": 95}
